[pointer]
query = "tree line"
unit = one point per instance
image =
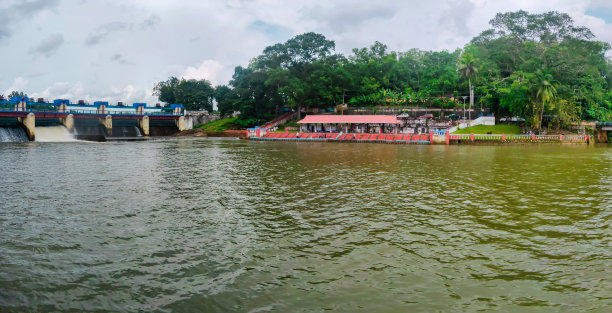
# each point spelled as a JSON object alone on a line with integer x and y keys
{"x": 541, "y": 67}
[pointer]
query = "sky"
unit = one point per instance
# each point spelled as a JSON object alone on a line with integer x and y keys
{"x": 116, "y": 50}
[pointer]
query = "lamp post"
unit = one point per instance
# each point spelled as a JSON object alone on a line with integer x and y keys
{"x": 471, "y": 101}
{"x": 464, "y": 97}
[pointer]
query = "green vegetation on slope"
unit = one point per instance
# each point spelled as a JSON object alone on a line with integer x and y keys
{"x": 497, "y": 129}
{"x": 220, "y": 125}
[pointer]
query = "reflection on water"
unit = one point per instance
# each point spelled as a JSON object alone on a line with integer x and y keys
{"x": 231, "y": 225}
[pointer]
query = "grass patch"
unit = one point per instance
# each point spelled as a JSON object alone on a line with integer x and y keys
{"x": 220, "y": 125}
{"x": 485, "y": 129}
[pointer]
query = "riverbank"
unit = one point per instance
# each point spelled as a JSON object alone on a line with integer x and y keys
{"x": 428, "y": 138}
{"x": 199, "y": 132}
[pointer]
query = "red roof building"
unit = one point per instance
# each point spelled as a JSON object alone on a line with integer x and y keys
{"x": 351, "y": 123}
{"x": 350, "y": 119}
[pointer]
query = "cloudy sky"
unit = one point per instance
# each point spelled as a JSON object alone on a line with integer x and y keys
{"x": 117, "y": 50}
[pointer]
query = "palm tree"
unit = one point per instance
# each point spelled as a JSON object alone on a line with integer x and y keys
{"x": 546, "y": 95}
{"x": 466, "y": 67}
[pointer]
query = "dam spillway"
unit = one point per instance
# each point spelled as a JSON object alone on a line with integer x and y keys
{"x": 12, "y": 134}
{"x": 57, "y": 133}
{"x": 89, "y": 122}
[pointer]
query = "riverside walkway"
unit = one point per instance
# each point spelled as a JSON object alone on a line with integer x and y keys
{"x": 435, "y": 137}
{"x": 341, "y": 137}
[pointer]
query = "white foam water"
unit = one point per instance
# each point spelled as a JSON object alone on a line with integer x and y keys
{"x": 53, "y": 134}
{"x": 12, "y": 134}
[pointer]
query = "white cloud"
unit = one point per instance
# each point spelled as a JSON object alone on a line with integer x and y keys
{"x": 211, "y": 70}
{"x": 18, "y": 84}
{"x": 121, "y": 48}
{"x": 78, "y": 91}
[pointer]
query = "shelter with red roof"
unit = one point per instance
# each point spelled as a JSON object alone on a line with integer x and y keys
{"x": 351, "y": 123}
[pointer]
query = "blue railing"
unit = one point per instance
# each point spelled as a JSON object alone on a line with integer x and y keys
{"x": 73, "y": 111}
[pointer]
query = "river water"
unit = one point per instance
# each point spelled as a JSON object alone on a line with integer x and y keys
{"x": 217, "y": 225}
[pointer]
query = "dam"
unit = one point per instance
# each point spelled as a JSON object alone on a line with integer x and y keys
{"x": 21, "y": 119}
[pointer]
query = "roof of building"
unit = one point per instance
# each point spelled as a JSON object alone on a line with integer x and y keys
{"x": 350, "y": 119}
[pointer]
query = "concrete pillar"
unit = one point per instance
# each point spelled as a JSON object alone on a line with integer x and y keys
{"x": 180, "y": 123}
{"x": 144, "y": 125}
{"x": 601, "y": 135}
{"x": 29, "y": 122}
{"x": 68, "y": 122}
{"x": 21, "y": 106}
{"x": 108, "y": 124}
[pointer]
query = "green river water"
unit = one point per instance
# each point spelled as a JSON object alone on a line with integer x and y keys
{"x": 217, "y": 225}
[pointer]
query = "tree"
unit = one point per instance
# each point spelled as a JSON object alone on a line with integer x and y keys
{"x": 546, "y": 95}
{"x": 502, "y": 61}
{"x": 16, "y": 93}
{"x": 287, "y": 66}
{"x": 166, "y": 90}
{"x": 193, "y": 94}
{"x": 226, "y": 98}
{"x": 467, "y": 69}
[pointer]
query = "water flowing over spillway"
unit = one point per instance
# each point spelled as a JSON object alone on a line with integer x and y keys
{"x": 126, "y": 131}
{"x": 12, "y": 134}
{"x": 53, "y": 134}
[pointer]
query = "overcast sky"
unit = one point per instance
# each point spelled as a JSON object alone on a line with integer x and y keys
{"x": 117, "y": 50}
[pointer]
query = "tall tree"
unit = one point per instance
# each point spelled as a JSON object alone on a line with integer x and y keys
{"x": 225, "y": 98}
{"x": 546, "y": 94}
{"x": 16, "y": 93}
{"x": 467, "y": 68}
{"x": 193, "y": 94}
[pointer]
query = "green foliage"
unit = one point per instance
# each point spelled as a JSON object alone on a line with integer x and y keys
{"x": 220, "y": 125}
{"x": 496, "y": 129}
{"x": 226, "y": 99}
{"x": 16, "y": 93}
{"x": 536, "y": 65}
{"x": 527, "y": 65}
{"x": 193, "y": 94}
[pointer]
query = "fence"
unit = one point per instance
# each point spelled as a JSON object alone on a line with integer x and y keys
{"x": 279, "y": 120}
{"x": 52, "y": 109}
{"x": 520, "y": 138}
{"x": 256, "y": 132}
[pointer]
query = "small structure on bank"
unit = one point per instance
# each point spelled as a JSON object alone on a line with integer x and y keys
{"x": 379, "y": 124}
{"x": 422, "y": 124}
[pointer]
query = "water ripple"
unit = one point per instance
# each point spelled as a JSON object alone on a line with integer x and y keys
{"x": 227, "y": 225}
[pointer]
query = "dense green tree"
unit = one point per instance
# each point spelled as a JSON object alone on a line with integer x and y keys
{"x": 16, "y": 93}
{"x": 225, "y": 98}
{"x": 304, "y": 72}
{"x": 193, "y": 94}
{"x": 546, "y": 95}
{"x": 467, "y": 68}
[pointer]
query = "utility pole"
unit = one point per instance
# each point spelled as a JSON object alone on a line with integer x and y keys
{"x": 342, "y": 102}
{"x": 471, "y": 102}
{"x": 464, "y": 97}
